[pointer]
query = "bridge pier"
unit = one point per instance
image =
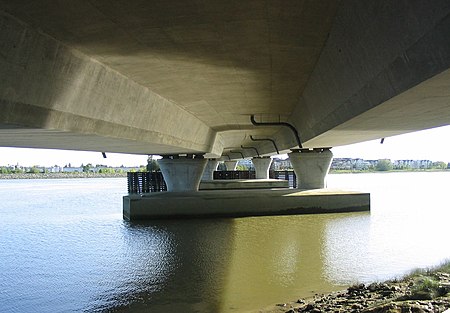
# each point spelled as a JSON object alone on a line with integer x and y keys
{"x": 211, "y": 166}
{"x": 311, "y": 167}
{"x": 182, "y": 173}
{"x": 231, "y": 165}
{"x": 262, "y": 165}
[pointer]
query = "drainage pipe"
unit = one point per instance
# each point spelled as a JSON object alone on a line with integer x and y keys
{"x": 285, "y": 124}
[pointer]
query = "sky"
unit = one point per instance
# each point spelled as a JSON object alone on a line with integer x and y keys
{"x": 432, "y": 144}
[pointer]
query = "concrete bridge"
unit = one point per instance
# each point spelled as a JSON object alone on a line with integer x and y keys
{"x": 184, "y": 77}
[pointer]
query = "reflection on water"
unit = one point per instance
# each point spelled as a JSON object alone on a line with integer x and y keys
{"x": 64, "y": 248}
{"x": 407, "y": 227}
{"x": 275, "y": 259}
{"x": 220, "y": 265}
{"x": 194, "y": 263}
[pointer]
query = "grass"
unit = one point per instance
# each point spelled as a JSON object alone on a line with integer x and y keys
{"x": 443, "y": 267}
{"x": 426, "y": 286}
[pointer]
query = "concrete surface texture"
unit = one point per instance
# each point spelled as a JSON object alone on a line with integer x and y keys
{"x": 311, "y": 168}
{"x": 262, "y": 166}
{"x": 172, "y": 77}
{"x": 236, "y": 203}
{"x": 182, "y": 174}
{"x": 230, "y": 165}
{"x": 211, "y": 166}
{"x": 223, "y": 184}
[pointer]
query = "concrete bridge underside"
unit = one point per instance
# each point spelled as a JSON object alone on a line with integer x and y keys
{"x": 167, "y": 77}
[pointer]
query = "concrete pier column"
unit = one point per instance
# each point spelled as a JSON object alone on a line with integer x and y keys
{"x": 262, "y": 166}
{"x": 231, "y": 165}
{"x": 182, "y": 173}
{"x": 211, "y": 166}
{"x": 311, "y": 167}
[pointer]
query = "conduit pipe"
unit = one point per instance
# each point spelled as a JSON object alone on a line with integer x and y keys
{"x": 285, "y": 124}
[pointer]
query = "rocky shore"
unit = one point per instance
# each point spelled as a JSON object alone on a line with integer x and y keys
{"x": 421, "y": 292}
{"x": 60, "y": 175}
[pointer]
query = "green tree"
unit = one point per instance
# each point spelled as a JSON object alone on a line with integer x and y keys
{"x": 384, "y": 165}
{"x": 152, "y": 165}
{"x": 439, "y": 165}
{"x": 87, "y": 167}
{"x": 34, "y": 170}
{"x": 106, "y": 170}
{"x": 18, "y": 170}
{"x": 241, "y": 167}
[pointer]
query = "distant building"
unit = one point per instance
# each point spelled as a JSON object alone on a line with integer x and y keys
{"x": 54, "y": 169}
{"x": 350, "y": 164}
{"x": 127, "y": 169}
{"x": 281, "y": 165}
{"x": 412, "y": 164}
{"x": 67, "y": 169}
{"x": 97, "y": 168}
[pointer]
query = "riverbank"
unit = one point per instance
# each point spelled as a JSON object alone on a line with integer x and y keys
{"x": 111, "y": 175}
{"x": 427, "y": 170}
{"x": 60, "y": 175}
{"x": 419, "y": 292}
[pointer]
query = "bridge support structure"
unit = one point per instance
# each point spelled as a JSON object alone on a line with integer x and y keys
{"x": 311, "y": 167}
{"x": 182, "y": 173}
{"x": 240, "y": 203}
{"x": 231, "y": 165}
{"x": 211, "y": 166}
{"x": 262, "y": 165}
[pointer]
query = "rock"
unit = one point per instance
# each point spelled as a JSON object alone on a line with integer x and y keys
{"x": 392, "y": 297}
{"x": 309, "y": 306}
{"x": 421, "y": 295}
{"x": 386, "y": 293}
{"x": 386, "y": 308}
{"x": 373, "y": 287}
{"x": 384, "y": 287}
{"x": 413, "y": 308}
{"x": 357, "y": 306}
{"x": 359, "y": 287}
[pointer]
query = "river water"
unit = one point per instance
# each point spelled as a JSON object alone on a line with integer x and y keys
{"x": 64, "y": 247}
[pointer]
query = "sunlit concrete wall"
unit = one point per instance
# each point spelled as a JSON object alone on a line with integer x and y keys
{"x": 378, "y": 50}
{"x": 46, "y": 85}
